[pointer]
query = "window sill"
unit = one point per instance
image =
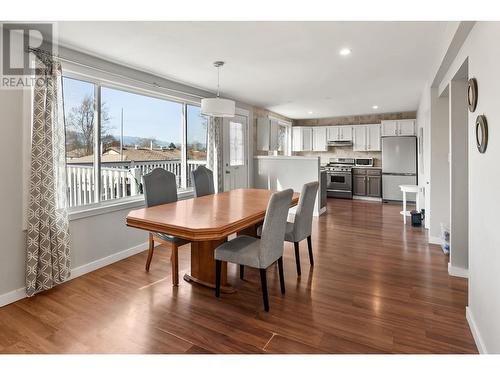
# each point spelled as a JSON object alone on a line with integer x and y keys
{"x": 77, "y": 213}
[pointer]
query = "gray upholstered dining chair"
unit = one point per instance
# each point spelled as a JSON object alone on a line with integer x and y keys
{"x": 203, "y": 181}
{"x": 160, "y": 187}
{"x": 259, "y": 253}
{"x": 301, "y": 227}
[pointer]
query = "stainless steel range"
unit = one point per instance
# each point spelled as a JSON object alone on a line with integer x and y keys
{"x": 339, "y": 177}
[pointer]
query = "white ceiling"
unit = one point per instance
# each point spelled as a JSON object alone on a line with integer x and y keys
{"x": 291, "y": 68}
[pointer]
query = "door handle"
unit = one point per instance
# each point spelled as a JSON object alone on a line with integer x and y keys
{"x": 228, "y": 172}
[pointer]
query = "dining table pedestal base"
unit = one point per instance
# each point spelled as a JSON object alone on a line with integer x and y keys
{"x": 203, "y": 265}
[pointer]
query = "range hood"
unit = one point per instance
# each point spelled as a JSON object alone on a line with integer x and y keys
{"x": 340, "y": 143}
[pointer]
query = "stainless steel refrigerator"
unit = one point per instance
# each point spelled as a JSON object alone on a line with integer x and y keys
{"x": 399, "y": 165}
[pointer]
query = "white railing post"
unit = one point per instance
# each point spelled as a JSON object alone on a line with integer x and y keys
{"x": 135, "y": 180}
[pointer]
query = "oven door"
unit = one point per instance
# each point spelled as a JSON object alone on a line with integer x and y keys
{"x": 339, "y": 181}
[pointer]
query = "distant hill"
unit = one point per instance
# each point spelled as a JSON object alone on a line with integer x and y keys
{"x": 132, "y": 141}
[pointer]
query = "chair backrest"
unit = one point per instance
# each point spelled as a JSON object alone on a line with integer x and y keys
{"x": 203, "y": 181}
{"x": 302, "y": 225}
{"x": 160, "y": 187}
{"x": 273, "y": 229}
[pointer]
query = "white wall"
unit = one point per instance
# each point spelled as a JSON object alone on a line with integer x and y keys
{"x": 12, "y": 239}
{"x": 459, "y": 220}
{"x": 483, "y": 52}
{"x": 439, "y": 210}
{"x": 424, "y": 164}
{"x": 284, "y": 172}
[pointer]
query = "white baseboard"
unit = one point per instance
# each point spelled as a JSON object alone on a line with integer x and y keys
{"x": 457, "y": 271}
{"x": 99, "y": 263}
{"x": 364, "y": 198}
{"x": 20, "y": 293}
{"x": 13, "y": 296}
{"x": 475, "y": 332}
{"x": 434, "y": 240}
{"x": 320, "y": 212}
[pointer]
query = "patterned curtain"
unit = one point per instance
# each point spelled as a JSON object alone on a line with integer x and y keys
{"x": 48, "y": 252}
{"x": 214, "y": 151}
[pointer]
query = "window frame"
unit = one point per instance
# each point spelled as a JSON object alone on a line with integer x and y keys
{"x": 104, "y": 206}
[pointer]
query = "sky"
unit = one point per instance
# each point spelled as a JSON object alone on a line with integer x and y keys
{"x": 143, "y": 116}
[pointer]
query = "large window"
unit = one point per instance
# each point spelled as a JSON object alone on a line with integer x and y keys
{"x": 196, "y": 135}
{"x": 138, "y": 133}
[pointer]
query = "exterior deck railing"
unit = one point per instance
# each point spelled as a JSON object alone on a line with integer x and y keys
{"x": 118, "y": 180}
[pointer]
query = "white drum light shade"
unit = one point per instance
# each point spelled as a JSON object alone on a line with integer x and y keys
{"x": 218, "y": 107}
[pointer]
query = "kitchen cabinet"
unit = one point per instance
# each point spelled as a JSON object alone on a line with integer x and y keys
{"x": 267, "y": 134}
{"x": 319, "y": 139}
{"x": 407, "y": 127}
{"x": 374, "y": 186}
{"x": 359, "y": 185}
{"x": 394, "y": 128}
{"x": 373, "y": 137}
{"x": 367, "y": 182}
{"x": 359, "y": 138}
{"x": 302, "y": 139}
{"x": 366, "y": 138}
{"x": 339, "y": 133}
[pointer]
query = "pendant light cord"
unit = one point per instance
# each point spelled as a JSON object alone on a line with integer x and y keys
{"x": 218, "y": 80}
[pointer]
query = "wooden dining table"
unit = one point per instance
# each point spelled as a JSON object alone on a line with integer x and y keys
{"x": 207, "y": 222}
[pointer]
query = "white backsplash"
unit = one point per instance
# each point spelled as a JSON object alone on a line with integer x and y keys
{"x": 344, "y": 152}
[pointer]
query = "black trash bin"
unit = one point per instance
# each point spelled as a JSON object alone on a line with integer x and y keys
{"x": 416, "y": 218}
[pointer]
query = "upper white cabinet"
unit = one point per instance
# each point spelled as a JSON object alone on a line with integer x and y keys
{"x": 267, "y": 134}
{"x": 319, "y": 139}
{"x": 359, "y": 138}
{"x": 339, "y": 133}
{"x": 302, "y": 139}
{"x": 407, "y": 127}
{"x": 366, "y": 138}
{"x": 373, "y": 137}
{"x": 394, "y": 128}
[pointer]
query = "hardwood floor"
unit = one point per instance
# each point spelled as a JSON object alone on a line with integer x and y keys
{"x": 376, "y": 287}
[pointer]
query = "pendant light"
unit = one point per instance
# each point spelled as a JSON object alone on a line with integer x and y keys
{"x": 218, "y": 107}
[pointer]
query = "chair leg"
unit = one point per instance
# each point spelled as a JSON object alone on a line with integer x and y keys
{"x": 218, "y": 266}
{"x": 242, "y": 271}
{"x": 174, "y": 259}
{"x": 297, "y": 257}
{"x": 282, "y": 277}
{"x": 263, "y": 280}
{"x": 309, "y": 246}
{"x": 150, "y": 252}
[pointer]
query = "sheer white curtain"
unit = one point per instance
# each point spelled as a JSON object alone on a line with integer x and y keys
{"x": 48, "y": 251}
{"x": 214, "y": 151}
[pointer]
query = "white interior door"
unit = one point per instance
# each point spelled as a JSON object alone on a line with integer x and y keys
{"x": 235, "y": 144}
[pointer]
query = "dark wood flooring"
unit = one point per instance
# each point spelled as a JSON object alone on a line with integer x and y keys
{"x": 376, "y": 287}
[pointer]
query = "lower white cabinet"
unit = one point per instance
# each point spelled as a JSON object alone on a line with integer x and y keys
{"x": 366, "y": 138}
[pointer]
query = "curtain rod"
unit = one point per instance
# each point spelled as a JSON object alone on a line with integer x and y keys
{"x": 153, "y": 84}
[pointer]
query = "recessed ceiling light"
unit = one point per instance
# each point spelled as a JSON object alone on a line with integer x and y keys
{"x": 345, "y": 51}
{"x": 375, "y": 106}
{"x": 310, "y": 112}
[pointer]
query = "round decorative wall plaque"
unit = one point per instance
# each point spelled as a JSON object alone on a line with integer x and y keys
{"x": 481, "y": 133}
{"x": 472, "y": 94}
